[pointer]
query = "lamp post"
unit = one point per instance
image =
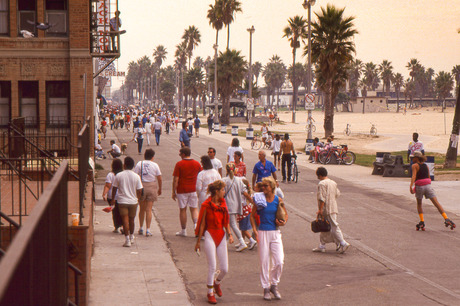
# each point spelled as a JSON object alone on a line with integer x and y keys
{"x": 216, "y": 101}
{"x": 307, "y": 4}
{"x": 157, "y": 102}
{"x": 251, "y": 31}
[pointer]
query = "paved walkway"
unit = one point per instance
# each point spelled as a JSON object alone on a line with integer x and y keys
{"x": 143, "y": 274}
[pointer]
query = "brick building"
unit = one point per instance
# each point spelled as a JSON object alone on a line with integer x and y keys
{"x": 42, "y": 71}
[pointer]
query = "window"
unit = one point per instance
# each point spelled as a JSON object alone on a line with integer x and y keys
{"x": 27, "y": 16}
{"x": 58, "y": 97}
{"x": 28, "y": 100}
{"x": 56, "y": 16}
{"x": 5, "y": 98}
{"x": 4, "y": 20}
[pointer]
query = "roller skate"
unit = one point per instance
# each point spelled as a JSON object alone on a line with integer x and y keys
{"x": 421, "y": 226}
{"x": 448, "y": 223}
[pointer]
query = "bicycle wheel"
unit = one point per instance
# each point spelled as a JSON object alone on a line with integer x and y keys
{"x": 256, "y": 144}
{"x": 313, "y": 128}
{"x": 324, "y": 158}
{"x": 373, "y": 131}
{"x": 348, "y": 158}
{"x": 294, "y": 173}
{"x": 347, "y": 132}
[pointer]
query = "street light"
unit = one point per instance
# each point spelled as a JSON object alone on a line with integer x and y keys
{"x": 251, "y": 30}
{"x": 307, "y": 4}
{"x": 216, "y": 101}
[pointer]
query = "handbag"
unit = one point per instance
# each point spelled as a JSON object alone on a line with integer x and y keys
{"x": 320, "y": 225}
{"x": 280, "y": 212}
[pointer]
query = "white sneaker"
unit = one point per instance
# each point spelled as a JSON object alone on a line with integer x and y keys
{"x": 182, "y": 233}
{"x": 237, "y": 245}
{"x": 127, "y": 243}
{"x": 148, "y": 233}
{"x": 242, "y": 247}
{"x": 131, "y": 238}
{"x": 344, "y": 247}
{"x": 252, "y": 245}
{"x": 319, "y": 250}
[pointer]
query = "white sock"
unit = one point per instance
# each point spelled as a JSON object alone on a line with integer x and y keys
{"x": 210, "y": 290}
{"x": 148, "y": 230}
{"x": 127, "y": 238}
{"x": 131, "y": 237}
{"x": 252, "y": 240}
{"x": 241, "y": 240}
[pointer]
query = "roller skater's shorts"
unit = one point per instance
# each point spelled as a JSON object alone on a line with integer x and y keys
{"x": 426, "y": 191}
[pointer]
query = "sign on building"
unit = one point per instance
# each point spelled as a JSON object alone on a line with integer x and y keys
{"x": 103, "y": 24}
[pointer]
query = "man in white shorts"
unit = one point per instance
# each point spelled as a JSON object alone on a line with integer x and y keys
{"x": 184, "y": 188}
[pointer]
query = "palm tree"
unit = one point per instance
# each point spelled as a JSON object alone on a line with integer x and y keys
{"x": 198, "y": 62}
{"x": 299, "y": 77}
{"x": 413, "y": 65}
{"x": 132, "y": 78}
{"x": 398, "y": 81}
{"x": 167, "y": 91}
{"x": 256, "y": 69}
{"x": 275, "y": 75}
{"x": 159, "y": 55}
{"x": 144, "y": 71}
{"x": 371, "y": 76}
{"x": 232, "y": 68}
{"x": 354, "y": 74}
{"x": 332, "y": 50}
{"x": 456, "y": 74}
{"x": 215, "y": 17}
{"x": 409, "y": 91}
{"x": 192, "y": 37}
{"x": 181, "y": 61}
{"x": 386, "y": 73}
{"x": 294, "y": 32}
{"x": 444, "y": 85}
{"x": 451, "y": 155}
{"x": 229, "y": 8}
{"x": 193, "y": 82}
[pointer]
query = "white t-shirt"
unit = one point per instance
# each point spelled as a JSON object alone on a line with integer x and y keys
{"x": 157, "y": 125}
{"x": 127, "y": 182}
{"x": 231, "y": 151}
{"x": 109, "y": 179}
{"x": 216, "y": 164}
{"x": 148, "y": 127}
{"x": 276, "y": 145}
{"x": 139, "y": 130}
{"x": 116, "y": 148}
{"x": 150, "y": 170}
{"x": 203, "y": 179}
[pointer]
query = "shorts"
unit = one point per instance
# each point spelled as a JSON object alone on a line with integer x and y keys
{"x": 276, "y": 153}
{"x": 245, "y": 223}
{"x": 426, "y": 191}
{"x": 150, "y": 191}
{"x": 129, "y": 210}
{"x": 187, "y": 199}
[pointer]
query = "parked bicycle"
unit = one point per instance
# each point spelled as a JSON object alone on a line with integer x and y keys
{"x": 341, "y": 154}
{"x": 373, "y": 130}
{"x": 256, "y": 142}
{"x": 313, "y": 128}
{"x": 347, "y": 131}
{"x": 294, "y": 169}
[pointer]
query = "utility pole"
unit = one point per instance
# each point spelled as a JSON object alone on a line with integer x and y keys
{"x": 251, "y": 31}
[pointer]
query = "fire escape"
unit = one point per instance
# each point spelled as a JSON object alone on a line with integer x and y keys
{"x": 105, "y": 33}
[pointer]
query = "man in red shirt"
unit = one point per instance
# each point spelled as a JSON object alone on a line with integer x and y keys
{"x": 184, "y": 188}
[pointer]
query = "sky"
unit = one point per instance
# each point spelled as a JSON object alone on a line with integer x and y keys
{"x": 396, "y": 30}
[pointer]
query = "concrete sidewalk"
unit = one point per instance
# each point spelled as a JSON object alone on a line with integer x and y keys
{"x": 143, "y": 274}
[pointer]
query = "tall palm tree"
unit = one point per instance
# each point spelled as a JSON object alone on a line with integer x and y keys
{"x": 193, "y": 82}
{"x": 386, "y": 73}
{"x": 215, "y": 17}
{"x": 275, "y": 76}
{"x": 332, "y": 50}
{"x": 159, "y": 55}
{"x": 398, "y": 81}
{"x": 198, "y": 62}
{"x": 192, "y": 37}
{"x": 299, "y": 77}
{"x": 144, "y": 71}
{"x": 294, "y": 32}
{"x": 444, "y": 85}
{"x": 456, "y": 75}
{"x": 354, "y": 75}
{"x": 229, "y": 8}
{"x": 181, "y": 62}
{"x": 409, "y": 92}
{"x": 371, "y": 76}
{"x": 256, "y": 69}
{"x": 232, "y": 69}
{"x": 413, "y": 65}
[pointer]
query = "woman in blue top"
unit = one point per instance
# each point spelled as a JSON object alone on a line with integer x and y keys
{"x": 269, "y": 239}
{"x": 183, "y": 136}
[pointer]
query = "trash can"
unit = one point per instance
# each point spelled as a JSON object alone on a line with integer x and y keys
{"x": 250, "y": 133}
{"x": 234, "y": 130}
{"x": 223, "y": 129}
{"x": 216, "y": 127}
{"x": 430, "y": 163}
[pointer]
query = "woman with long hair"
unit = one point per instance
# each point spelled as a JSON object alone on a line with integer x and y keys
{"x": 212, "y": 224}
{"x": 235, "y": 147}
{"x": 240, "y": 166}
{"x": 117, "y": 167}
{"x": 207, "y": 176}
{"x": 269, "y": 239}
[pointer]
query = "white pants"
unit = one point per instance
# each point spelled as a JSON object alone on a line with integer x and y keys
{"x": 234, "y": 226}
{"x": 270, "y": 249}
{"x": 211, "y": 252}
{"x": 335, "y": 235}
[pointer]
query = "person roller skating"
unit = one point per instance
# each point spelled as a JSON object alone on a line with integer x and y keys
{"x": 422, "y": 182}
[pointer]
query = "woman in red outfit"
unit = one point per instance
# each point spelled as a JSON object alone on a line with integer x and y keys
{"x": 212, "y": 221}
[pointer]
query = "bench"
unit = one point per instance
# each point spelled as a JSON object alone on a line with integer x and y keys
{"x": 381, "y": 158}
{"x": 397, "y": 168}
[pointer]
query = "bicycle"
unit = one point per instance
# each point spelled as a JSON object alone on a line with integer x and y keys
{"x": 256, "y": 142}
{"x": 373, "y": 130}
{"x": 347, "y": 131}
{"x": 294, "y": 169}
{"x": 313, "y": 128}
{"x": 342, "y": 155}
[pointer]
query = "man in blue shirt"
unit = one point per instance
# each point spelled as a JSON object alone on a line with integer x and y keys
{"x": 263, "y": 168}
{"x": 184, "y": 139}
